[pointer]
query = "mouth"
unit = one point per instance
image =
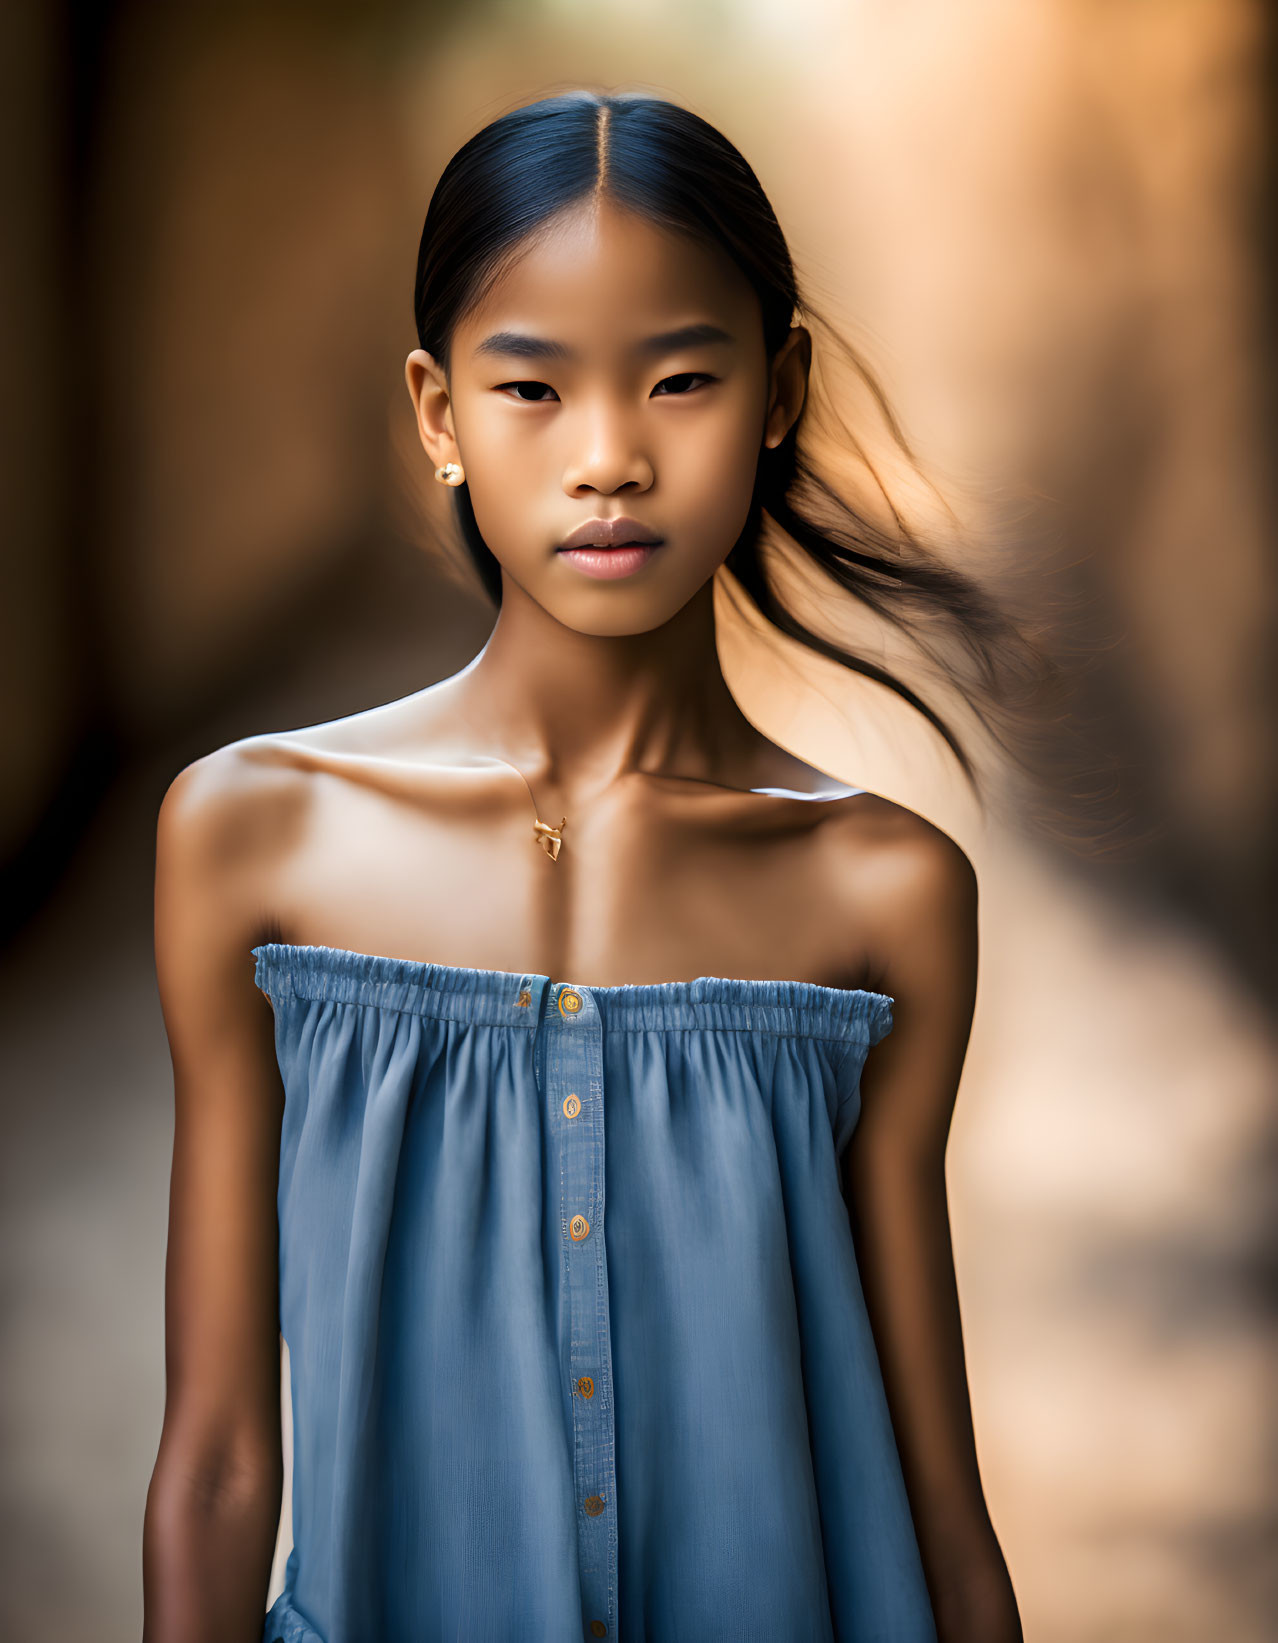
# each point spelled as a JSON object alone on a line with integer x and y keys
{"x": 622, "y": 532}
{"x": 607, "y": 564}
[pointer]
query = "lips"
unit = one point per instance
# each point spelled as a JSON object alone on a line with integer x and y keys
{"x": 609, "y": 533}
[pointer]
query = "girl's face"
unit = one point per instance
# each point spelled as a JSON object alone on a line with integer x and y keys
{"x": 615, "y": 370}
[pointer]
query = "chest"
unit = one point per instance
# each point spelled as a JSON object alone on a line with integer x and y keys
{"x": 642, "y": 891}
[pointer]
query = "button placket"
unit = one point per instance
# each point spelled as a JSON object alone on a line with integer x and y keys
{"x": 574, "y": 1096}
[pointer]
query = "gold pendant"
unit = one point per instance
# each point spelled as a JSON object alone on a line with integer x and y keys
{"x": 549, "y": 837}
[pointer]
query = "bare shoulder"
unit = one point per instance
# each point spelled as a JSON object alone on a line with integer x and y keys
{"x": 224, "y": 830}
{"x": 259, "y": 789}
{"x": 909, "y": 885}
{"x": 234, "y": 821}
{"x": 227, "y": 813}
{"x": 914, "y": 890}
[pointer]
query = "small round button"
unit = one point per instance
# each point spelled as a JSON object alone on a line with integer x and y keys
{"x": 586, "y": 1386}
{"x": 572, "y": 1106}
{"x": 569, "y": 1002}
{"x": 579, "y": 1227}
{"x": 594, "y": 1505}
{"x": 598, "y": 1629}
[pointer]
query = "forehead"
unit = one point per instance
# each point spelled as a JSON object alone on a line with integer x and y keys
{"x": 600, "y": 278}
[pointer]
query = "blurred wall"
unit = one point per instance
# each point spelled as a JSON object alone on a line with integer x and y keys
{"x": 1045, "y": 228}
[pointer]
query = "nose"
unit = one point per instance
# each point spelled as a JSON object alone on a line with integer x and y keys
{"x": 608, "y": 456}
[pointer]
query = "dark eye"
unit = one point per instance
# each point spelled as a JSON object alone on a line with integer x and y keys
{"x": 526, "y": 401}
{"x": 683, "y": 376}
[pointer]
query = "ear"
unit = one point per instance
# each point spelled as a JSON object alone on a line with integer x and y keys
{"x": 428, "y": 390}
{"x": 789, "y": 385}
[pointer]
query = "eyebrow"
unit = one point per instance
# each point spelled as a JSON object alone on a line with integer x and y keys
{"x": 518, "y": 345}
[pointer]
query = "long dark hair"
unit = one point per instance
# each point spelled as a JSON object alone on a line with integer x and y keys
{"x": 666, "y": 163}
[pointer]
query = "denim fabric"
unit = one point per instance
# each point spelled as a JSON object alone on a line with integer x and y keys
{"x": 577, "y": 1337}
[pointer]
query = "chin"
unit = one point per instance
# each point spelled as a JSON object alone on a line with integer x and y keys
{"x": 621, "y": 616}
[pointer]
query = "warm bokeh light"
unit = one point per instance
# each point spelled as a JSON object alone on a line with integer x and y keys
{"x": 1042, "y": 227}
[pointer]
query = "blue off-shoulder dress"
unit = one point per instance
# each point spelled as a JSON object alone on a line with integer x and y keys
{"x": 577, "y": 1340}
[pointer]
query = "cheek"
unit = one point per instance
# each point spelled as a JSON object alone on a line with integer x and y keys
{"x": 710, "y": 469}
{"x": 496, "y": 440}
{"x": 505, "y": 467}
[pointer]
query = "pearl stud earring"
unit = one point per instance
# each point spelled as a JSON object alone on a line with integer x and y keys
{"x": 451, "y": 473}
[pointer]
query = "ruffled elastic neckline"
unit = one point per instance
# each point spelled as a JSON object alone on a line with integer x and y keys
{"x": 504, "y": 997}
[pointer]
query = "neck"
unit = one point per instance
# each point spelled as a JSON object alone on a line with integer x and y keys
{"x": 578, "y": 710}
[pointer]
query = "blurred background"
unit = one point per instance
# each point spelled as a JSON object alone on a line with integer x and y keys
{"x": 1050, "y": 229}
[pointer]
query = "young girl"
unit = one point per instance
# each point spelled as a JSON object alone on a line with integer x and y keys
{"x": 564, "y": 1067}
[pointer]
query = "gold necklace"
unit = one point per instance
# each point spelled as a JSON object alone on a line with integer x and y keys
{"x": 548, "y": 837}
